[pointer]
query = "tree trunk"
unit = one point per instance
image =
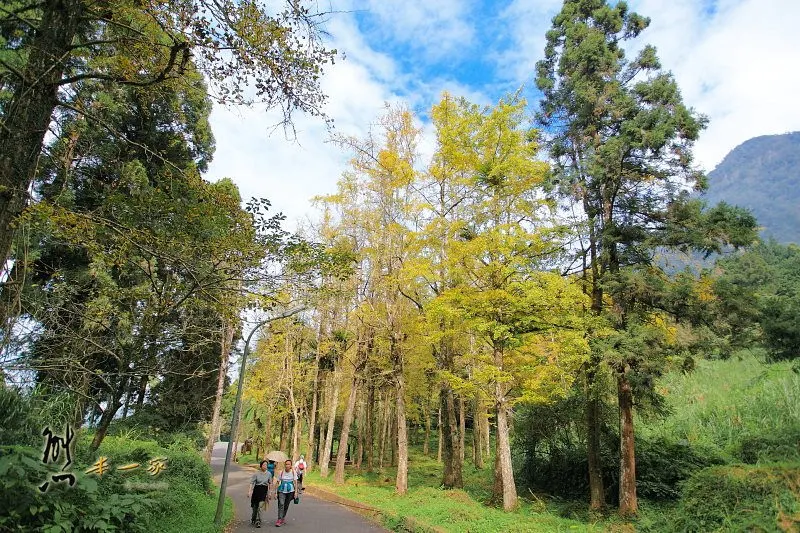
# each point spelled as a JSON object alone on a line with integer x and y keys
{"x": 224, "y": 359}
{"x": 126, "y": 404}
{"x": 268, "y": 433}
{"x": 462, "y": 428}
{"x": 401, "y": 481}
{"x": 596, "y": 488}
{"x": 141, "y": 392}
{"x": 28, "y": 113}
{"x": 321, "y": 441}
{"x": 360, "y": 436}
{"x": 504, "y": 489}
{"x": 439, "y": 428}
{"x": 296, "y": 429}
{"x": 393, "y": 439}
{"x": 236, "y": 438}
{"x": 384, "y": 430}
{"x": 451, "y": 456}
{"x": 477, "y": 430}
{"x": 426, "y": 443}
{"x": 486, "y": 432}
{"x": 628, "y": 504}
{"x": 370, "y": 444}
{"x": 284, "y": 432}
{"x": 324, "y": 461}
{"x": 347, "y": 420}
{"x": 315, "y": 394}
{"x": 105, "y": 420}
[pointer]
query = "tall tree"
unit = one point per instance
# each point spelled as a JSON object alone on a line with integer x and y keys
{"x": 130, "y": 248}
{"x": 621, "y": 144}
{"x": 56, "y": 46}
{"x": 504, "y": 291}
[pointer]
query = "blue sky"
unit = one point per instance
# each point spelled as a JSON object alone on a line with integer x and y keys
{"x": 736, "y": 61}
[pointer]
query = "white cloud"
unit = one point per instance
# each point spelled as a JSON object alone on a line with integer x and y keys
{"x": 263, "y": 163}
{"x": 735, "y": 63}
{"x": 435, "y": 29}
{"x": 738, "y": 66}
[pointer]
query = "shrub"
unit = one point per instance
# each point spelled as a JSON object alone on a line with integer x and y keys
{"x": 130, "y": 500}
{"x": 741, "y": 498}
{"x": 19, "y": 423}
{"x": 781, "y": 446}
{"x": 80, "y": 508}
{"x": 662, "y": 466}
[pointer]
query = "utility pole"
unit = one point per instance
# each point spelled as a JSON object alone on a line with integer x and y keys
{"x": 237, "y": 407}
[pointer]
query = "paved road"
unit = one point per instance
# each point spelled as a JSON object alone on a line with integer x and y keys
{"x": 311, "y": 516}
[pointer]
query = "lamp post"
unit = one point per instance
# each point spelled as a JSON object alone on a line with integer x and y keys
{"x": 237, "y": 407}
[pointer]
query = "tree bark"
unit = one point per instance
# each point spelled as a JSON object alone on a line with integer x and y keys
{"x": 462, "y": 427}
{"x": 401, "y": 481}
{"x": 477, "y": 428}
{"x": 427, "y": 415}
{"x": 504, "y": 489}
{"x": 321, "y": 440}
{"x": 370, "y": 419}
{"x": 360, "y": 436}
{"x": 384, "y": 430}
{"x": 268, "y": 433}
{"x": 27, "y": 115}
{"x": 226, "y": 340}
{"x": 141, "y": 392}
{"x": 315, "y": 393}
{"x": 111, "y": 409}
{"x": 284, "y": 432}
{"x": 324, "y": 462}
{"x": 628, "y": 504}
{"x": 451, "y": 456}
{"x": 347, "y": 420}
{"x": 597, "y": 500}
{"x": 486, "y": 432}
{"x": 439, "y": 428}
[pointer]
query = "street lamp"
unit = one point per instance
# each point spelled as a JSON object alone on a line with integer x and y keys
{"x": 237, "y": 406}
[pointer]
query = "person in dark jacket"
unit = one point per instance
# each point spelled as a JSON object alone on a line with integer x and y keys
{"x": 259, "y": 492}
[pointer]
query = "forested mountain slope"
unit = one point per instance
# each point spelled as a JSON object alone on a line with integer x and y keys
{"x": 763, "y": 174}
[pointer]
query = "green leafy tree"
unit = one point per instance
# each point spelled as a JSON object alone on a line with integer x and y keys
{"x": 759, "y": 292}
{"x": 504, "y": 291}
{"x": 249, "y": 51}
{"x": 132, "y": 253}
{"x": 621, "y": 144}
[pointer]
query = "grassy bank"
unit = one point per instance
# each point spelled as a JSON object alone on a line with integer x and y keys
{"x": 454, "y": 511}
{"x": 742, "y": 410}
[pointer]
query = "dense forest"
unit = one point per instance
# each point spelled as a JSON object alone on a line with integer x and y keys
{"x": 494, "y": 319}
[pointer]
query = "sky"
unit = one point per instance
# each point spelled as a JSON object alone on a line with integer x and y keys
{"x": 736, "y": 61}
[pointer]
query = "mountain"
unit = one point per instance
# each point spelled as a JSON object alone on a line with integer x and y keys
{"x": 763, "y": 174}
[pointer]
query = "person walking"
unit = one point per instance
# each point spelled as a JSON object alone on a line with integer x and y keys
{"x": 286, "y": 481}
{"x": 300, "y": 467}
{"x": 259, "y": 492}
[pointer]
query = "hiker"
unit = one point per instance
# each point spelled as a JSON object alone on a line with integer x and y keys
{"x": 300, "y": 467}
{"x": 259, "y": 492}
{"x": 286, "y": 481}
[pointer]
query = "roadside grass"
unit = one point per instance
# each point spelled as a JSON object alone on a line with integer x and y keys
{"x": 462, "y": 511}
{"x": 745, "y": 410}
{"x": 196, "y": 515}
